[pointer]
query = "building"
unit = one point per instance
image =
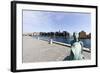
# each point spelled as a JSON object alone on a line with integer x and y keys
{"x": 89, "y": 36}
{"x": 66, "y": 34}
{"x": 35, "y": 33}
{"x": 82, "y": 35}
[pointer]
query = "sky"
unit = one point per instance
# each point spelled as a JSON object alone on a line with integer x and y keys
{"x": 50, "y": 21}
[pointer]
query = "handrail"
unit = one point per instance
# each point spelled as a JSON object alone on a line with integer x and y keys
{"x": 68, "y": 45}
{"x": 64, "y": 44}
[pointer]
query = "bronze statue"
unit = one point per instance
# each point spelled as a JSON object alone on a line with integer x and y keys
{"x": 76, "y": 49}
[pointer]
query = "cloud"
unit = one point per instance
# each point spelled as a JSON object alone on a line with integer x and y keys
{"x": 44, "y": 21}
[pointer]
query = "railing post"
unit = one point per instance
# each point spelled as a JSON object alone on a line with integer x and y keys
{"x": 51, "y": 41}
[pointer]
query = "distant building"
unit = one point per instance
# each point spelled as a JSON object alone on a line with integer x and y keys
{"x": 89, "y": 36}
{"x": 27, "y": 34}
{"x": 31, "y": 34}
{"x": 35, "y": 33}
{"x": 82, "y": 35}
{"x": 66, "y": 34}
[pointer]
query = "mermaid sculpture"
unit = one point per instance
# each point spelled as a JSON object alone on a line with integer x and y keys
{"x": 76, "y": 49}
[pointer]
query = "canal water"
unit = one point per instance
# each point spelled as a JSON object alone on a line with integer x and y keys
{"x": 86, "y": 42}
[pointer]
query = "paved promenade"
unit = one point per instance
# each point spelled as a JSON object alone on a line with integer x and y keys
{"x": 35, "y": 50}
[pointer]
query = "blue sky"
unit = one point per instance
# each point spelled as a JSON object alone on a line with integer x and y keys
{"x": 46, "y": 21}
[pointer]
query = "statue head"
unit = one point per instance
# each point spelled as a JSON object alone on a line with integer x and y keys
{"x": 76, "y": 36}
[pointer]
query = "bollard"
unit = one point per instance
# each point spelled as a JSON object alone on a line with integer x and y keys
{"x": 51, "y": 41}
{"x": 38, "y": 38}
